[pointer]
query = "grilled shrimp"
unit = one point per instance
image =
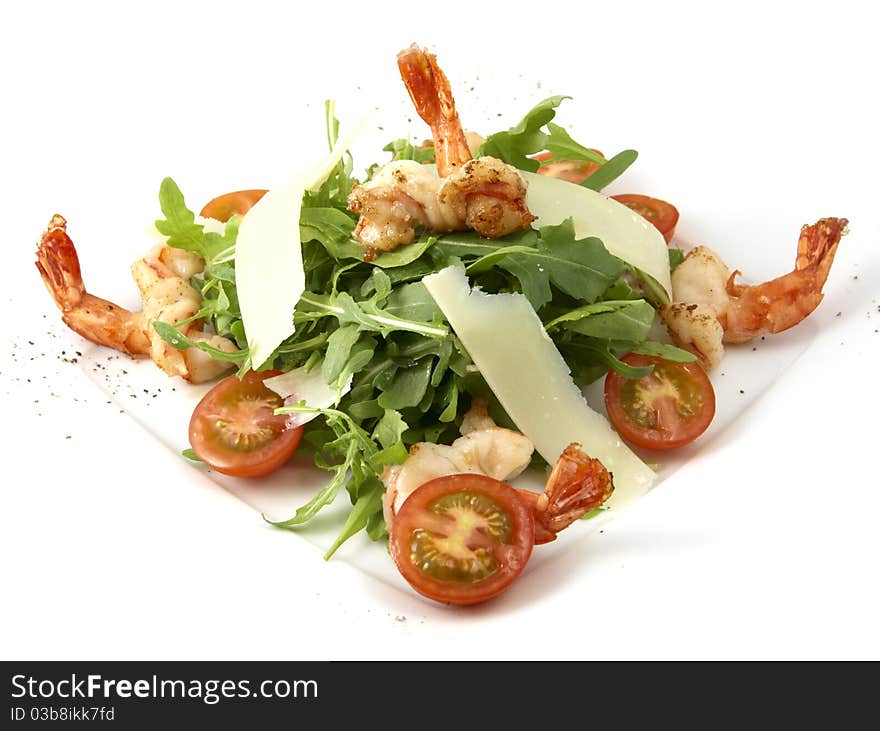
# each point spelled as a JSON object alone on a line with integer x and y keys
{"x": 577, "y": 483}
{"x": 484, "y": 448}
{"x": 162, "y": 278}
{"x": 710, "y": 308}
{"x": 485, "y": 194}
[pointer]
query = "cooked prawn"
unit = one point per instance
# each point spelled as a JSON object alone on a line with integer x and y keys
{"x": 710, "y": 308}
{"x": 484, "y": 448}
{"x": 483, "y": 194}
{"x": 161, "y": 277}
{"x": 577, "y": 483}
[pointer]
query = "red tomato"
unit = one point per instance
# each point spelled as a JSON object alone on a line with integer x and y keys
{"x": 574, "y": 171}
{"x": 662, "y": 214}
{"x": 234, "y": 428}
{"x": 224, "y": 207}
{"x": 668, "y": 408}
{"x": 462, "y": 539}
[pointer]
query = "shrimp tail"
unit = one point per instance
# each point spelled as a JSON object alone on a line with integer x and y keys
{"x": 93, "y": 318}
{"x": 782, "y": 303}
{"x": 58, "y": 265}
{"x": 431, "y": 95}
{"x": 817, "y": 246}
{"x": 577, "y": 484}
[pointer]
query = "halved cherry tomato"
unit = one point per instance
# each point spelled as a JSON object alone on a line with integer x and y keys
{"x": 662, "y": 214}
{"x": 225, "y": 206}
{"x": 574, "y": 171}
{"x": 462, "y": 539}
{"x": 668, "y": 408}
{"x": 234, "y": 428}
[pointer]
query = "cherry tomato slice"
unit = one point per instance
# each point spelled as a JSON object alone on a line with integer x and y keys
{"x": 234, "y": 428}
{"x": 663, "y": 215}
{"x": 574, "y": 171}
{"x": 462, "y": 539}
{"x": 225, "y": 206}
{"x": 668, "y": 408}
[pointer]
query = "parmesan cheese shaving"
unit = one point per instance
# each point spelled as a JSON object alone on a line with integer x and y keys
{"x": 268, "y": 256}
{"x": 520, "y": 363}
{"x": 623, "y": 231}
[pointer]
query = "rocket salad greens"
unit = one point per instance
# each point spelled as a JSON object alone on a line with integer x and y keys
{"x": 376, "y": 335}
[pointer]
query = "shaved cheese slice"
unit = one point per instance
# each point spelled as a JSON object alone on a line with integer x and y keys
{"x": 308, "y": 386}
{"x": 623, "y": 231}
{"x": 269, "y": 273}
{"x": 508, "y": 343}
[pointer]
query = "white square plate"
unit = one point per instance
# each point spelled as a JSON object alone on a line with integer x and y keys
{"x": 756, "y": 535}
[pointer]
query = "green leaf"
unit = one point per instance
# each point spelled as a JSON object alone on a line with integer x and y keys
{"x": 339, "y": 346}
{"x": 367, "y": 314}
{"x": 191, "y": 455}
{"x": 582, "y": 269}
{"x": 176, "y": 339}
{"x": 523, "y": 139}
{"x": 408, "y": 386}
{"x": 651, "y": 289}
{"x": 664, "y": 350}
{"x": 404, "y": 150}
{"x": 601, "y": 351}
{"x": 467, "y": 244}
{"x": 563, "y": 147}
{"x": 368, "y": 504}
{"x": 376, "y": 527}
{"x": 395, "y": 454}
{"x": 332, "y": 228}
{"x": 413, "y": 301}
{"x": 322, "y": 498}
{"x": 389, "y": 429}
{"x": 451, "y": 399}
{"x": 179, "y": 224}
{"x": 403, "y": 255}
{"x": 620, "y": 320}
{"x": 611, "y": 170}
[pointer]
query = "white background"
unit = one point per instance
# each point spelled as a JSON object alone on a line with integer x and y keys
{"x": 754, "y": 118}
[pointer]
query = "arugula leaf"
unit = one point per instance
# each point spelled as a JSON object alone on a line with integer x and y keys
{"x": 390, "y": 428}
{"x": 179, "y": 224}
{"x": 403, "y": 149}
{"x": 563, "y": 147}
{"x": 463, "y": 245}
{"x": 407, "y": 386}
{"x": 520, "y": 143}
{"x": 178, "y": 340}
{"x": 191, "y": 455}
{"x": 183, "y": 233}
{"x": 523, "y": 139}
{"x": 601, "y": 350}
{"x": 331, "y": 228}
{"x": 414, "y": 302}
{"x": 403, "y": 255}
{"x": 367, "y": 314}
{"x": 339, "y": 346}
{"x": 664, "y": 350}
{"x": 608, "y": 320}
{"x": 611, "y": 170}
{"x": 367, "y": 507}
{"x": 582, "y": 269}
